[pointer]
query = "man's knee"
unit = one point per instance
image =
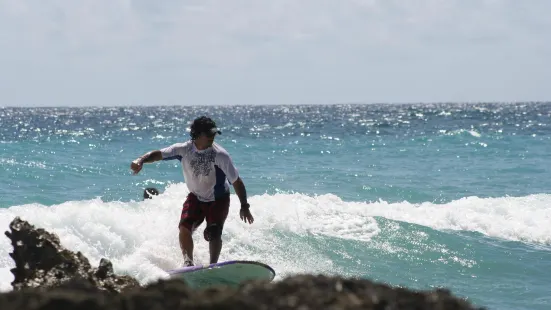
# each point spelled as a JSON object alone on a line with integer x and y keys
{"x": 213, "y": 232}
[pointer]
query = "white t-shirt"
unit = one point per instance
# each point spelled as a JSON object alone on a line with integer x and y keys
{"x": 206, "y": 172}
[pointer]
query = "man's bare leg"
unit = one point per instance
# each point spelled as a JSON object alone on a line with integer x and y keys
{"x": 215, "y": 246}
{"x": 186, "y": 244}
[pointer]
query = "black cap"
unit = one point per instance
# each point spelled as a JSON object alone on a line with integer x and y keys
{"x": 214, "y": 130}
{"x": 203, "y": 124}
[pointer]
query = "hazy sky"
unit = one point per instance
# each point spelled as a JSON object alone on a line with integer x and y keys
{"x": 206, "y": 52}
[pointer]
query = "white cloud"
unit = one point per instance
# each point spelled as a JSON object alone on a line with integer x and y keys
{"x": 112, "y": 52}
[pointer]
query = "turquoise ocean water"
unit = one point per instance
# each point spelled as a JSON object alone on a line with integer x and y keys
{"x": 421, "y": 196}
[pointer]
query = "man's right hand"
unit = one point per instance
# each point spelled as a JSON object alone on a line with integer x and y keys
{"x": 136, "y": 166}
{"x": 148, "y": 157}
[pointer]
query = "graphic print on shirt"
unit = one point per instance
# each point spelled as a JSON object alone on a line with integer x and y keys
{"x": 201, "y": 163}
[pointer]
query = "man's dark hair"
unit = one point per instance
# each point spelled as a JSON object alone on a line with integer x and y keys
{"x": 201, "y": 125}
{"x": 149, "y": 192}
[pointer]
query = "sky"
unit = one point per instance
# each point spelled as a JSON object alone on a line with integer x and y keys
{"x": 259, "y": 52}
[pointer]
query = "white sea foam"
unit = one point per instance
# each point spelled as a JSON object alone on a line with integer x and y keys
{"x": 140, "y": 238}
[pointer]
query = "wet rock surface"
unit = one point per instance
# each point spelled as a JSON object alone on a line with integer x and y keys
{"x": 41, "y": 261}
{"x": 48, "y": 276}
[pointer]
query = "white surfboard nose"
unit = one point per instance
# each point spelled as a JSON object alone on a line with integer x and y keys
{"x": 230, "y": 273}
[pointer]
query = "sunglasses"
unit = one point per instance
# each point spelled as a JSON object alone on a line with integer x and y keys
{"x": 209, "y": 134}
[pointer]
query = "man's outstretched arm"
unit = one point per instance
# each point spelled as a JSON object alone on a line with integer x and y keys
{"x": 148, "y": 157}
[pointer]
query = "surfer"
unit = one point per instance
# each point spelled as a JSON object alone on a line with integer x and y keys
{"x": 149, "y": 192}
{"x": 208, "y": 171}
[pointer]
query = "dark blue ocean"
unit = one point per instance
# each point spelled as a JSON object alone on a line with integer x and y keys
{"x": 415, "y": 195}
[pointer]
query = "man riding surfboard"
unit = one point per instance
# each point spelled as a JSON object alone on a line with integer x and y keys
{"x": 208, "y": 171}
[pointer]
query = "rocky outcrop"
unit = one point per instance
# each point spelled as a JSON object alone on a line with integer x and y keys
{"x": 47, "y": 276}
{"x": 41, "y": 261}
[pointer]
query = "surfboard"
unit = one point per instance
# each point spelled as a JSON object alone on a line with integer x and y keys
{"x": 228, "y": 273}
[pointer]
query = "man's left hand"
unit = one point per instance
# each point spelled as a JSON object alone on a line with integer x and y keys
{"x": 245, "y": 215}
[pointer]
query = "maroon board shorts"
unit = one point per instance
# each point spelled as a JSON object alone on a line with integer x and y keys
{"x": 195, "y": 212}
